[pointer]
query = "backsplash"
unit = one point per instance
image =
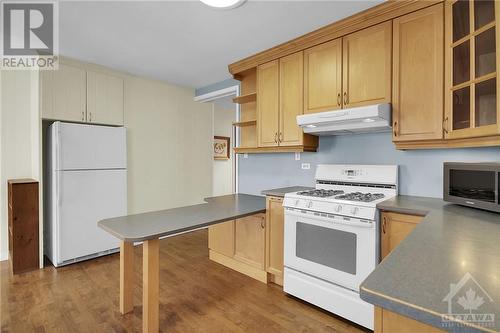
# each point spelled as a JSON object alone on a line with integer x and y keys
{"x": 420, "y": 171}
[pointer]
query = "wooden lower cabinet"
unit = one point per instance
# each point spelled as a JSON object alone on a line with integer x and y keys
{"x": 390, "y": 322}
{"x": 395, "y": 228}
{"x": 252, "y": 245}
{"x": 249, "y": 240}
{"x": 221, "y": 238}
{"x": 275, "y": 232}
{"x": 240, "y": 245}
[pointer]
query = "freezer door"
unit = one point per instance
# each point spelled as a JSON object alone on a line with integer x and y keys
{"x": 80, "y": 147}
{"x": 85, "y": 197}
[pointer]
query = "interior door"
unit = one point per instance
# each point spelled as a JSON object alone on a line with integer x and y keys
{"x": 367, "y": 66}
{"x": 323, "y": 77}
{"x": 268, "y": 104}
{"x": 291, "y": 82}
{"x": 86, "y": 197}
{"x": 104, "y": 98}
{"x": 418, "y": 74}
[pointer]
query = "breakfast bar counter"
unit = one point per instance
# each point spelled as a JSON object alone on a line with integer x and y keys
{"x": 454, "y": 247}
{"x": 149, "y": 227}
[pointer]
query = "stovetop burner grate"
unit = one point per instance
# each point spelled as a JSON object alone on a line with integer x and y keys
{"x": 321, "y": 193}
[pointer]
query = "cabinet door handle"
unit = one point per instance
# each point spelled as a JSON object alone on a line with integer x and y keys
{"x": 395, "y": 128}
{"x": 83, "y": 115}
{"x": 263, "y": 223}
{"x": 280, "y": 137}
{"x": 339, "y": 99}
{"x": 384, "y": 224}
{"x": 90, "y": 116}
{"x": 445, "y": 125}
{"x": 276, "y": 137}
{"x": 345, "y": 98}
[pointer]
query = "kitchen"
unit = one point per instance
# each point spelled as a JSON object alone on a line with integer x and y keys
{"x": 389, "y": 111}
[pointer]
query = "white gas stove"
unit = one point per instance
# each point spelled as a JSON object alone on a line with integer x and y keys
{"x": 331, "y": 237}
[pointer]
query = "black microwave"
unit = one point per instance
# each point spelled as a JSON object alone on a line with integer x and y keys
{"x": 472, "y": 184}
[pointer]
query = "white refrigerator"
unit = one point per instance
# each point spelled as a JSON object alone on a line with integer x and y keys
{"x": 86, "y": 179}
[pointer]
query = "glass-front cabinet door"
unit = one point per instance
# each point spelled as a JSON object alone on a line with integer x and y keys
{"x": 472, "y": 92}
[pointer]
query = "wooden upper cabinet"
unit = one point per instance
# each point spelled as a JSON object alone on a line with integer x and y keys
{"x": 471, "y": 61}
{"x": 104, "y": 98}
{"x": 367, "y": 63}
{"x": 291, "y": 74}
{"x": 323, "y": 77}
{"x": 274, "y": 235}
{"x": 268, "y": 104}
{"x": 418, "y": 75}
{"x": 64, "y": 94}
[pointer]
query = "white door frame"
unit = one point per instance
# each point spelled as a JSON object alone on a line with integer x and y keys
{"x": 214, "y": 95}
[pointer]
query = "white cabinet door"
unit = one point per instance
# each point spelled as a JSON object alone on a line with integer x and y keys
{"x": 64, "y": 94}
{"x": 86, "y": 197}
{"x": 104, "y": 99}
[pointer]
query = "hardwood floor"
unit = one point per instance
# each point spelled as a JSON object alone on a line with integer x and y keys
{"x": 196, "y": 295}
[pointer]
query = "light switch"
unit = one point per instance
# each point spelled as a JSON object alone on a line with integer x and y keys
{"x": 245, "y": 155}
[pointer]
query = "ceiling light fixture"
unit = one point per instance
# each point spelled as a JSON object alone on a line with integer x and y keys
{"x": 223, "y": 4}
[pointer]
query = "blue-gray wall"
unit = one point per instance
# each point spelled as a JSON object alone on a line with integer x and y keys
{"x": 420, "y": 171}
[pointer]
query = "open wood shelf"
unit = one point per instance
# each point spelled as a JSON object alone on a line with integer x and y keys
{"x": 248, "y": 98}
{"x": 245, "y": 123}
{"x": 284, "y": 149}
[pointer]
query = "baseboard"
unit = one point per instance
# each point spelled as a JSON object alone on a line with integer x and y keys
{"x": 239, "y": 266}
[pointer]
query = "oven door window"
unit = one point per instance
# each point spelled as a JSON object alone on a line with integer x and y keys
{"x": 473, "y": 185}
{"x": 325, "y": 246}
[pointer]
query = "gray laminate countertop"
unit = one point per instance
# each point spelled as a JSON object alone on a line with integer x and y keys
{"x": 450, "y": 263}
{"x": 140, "y": 227}
{"x": 280, "y": 192}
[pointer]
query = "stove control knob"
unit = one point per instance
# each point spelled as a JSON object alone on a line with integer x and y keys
{"x": 309, "y": 204}
{"x": 338, "y": 209}
{"x": 297, "y": 202}
{"x": 355, "y": 210}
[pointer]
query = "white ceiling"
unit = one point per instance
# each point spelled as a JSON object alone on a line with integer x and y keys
{"x": 186, "y": 42}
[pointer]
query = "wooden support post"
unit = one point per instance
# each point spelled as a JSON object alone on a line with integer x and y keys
{"x": 126, "y": 277}
{"x": 151, "y": 286}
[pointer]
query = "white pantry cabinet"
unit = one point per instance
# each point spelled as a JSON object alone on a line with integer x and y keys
{"x": 75, "y": 93}
{"x": 63, "y": 94}
{"x": 104, "y": 98}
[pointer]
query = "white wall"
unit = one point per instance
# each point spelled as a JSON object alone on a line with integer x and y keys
{"x": 169, "y": 142}
{"x": 169, "y": 146}
{"x": 19, "y": 137}
{"x": 222, "y": 174}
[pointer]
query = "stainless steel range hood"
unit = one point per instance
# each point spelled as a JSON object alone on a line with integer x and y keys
{"x": 364, "y": 119}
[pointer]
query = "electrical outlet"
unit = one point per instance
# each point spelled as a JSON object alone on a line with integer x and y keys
{"x": 245, "y": 155}
{"x": 297, "y": 156}
{"x": 306, "y": 166}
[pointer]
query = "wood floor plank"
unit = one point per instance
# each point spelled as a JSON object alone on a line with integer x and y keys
{"x": 196, "y": 295}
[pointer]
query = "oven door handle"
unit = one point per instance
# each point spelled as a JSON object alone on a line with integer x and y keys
{"x": 355, "y": 224}
{"x": 331, "y": 221}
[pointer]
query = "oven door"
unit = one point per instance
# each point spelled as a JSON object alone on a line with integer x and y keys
{"x": 334, "y": 248}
